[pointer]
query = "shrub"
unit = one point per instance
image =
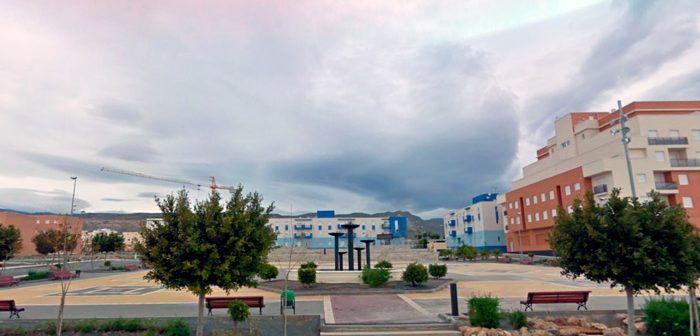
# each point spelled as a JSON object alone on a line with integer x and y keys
{"x": 540, "y": 261}
{"x": 415, "y": 274}
{"x": 117, "y": 268}
{"x": 375, "y": 276}
{"x": 485, "y": 254}
{"x": 447, "y": 254}
{"x": 667, "y": 317}
{"x": 309, "y": 264}
{"x": 466, "y": 252}
{"x": 238, "y": 311}
{"x": 268, "y": 272}
{"x": 108, "y": 263}
{"x": 518, "y": 319}
{"x": 497, "y": 253}
{"x": 86, "y": 326}
{"x": 307, "y": 275}
{"x": 120, "y": 324}
{"x": 483, "y": 312}
{"x": 437, "y": 271}
{"x": 530, "y": 254}
{"x": 31, "y": 275}
{"x": 383, "y": 264}
{"x": 177, "y": 328}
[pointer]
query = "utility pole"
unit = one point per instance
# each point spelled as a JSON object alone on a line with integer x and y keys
{"x": 65, "y": 285}
{"x": 625, "y": 143}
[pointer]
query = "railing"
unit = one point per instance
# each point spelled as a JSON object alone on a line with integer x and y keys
{"x": 600, "y": 189}
{"x": 685, "y": 162}
{"x": 468, "y": 218}
{"x": 453, "y": 233}
{"x": 303, "y": 227}
{"x": 666, "y": 186}
{"x": 385, "y": 226}
{"x": 452, "y": 222}
{"x": 668, "y": 141}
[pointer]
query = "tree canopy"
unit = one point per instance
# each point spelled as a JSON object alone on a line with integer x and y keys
{"x": 45, "y": 241}
{"x": 10, "y": 241}
{"x": 107, "y": 242}
{"x": 638, "y": 245}
{"x": 207, "y": 245}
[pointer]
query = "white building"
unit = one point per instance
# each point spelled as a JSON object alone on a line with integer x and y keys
{"x": 479, "y": 224}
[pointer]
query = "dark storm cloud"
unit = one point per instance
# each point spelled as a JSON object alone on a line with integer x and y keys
{"x": 648, "y": 35}
{"x": 31, "y": 200}
{"x": 137, "y": 152}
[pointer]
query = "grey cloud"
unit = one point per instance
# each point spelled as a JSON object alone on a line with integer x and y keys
{"x": 108, "y": 199}
{"x": 131, "y": 151}
{"x": 147, "y": 194}
{"x": 31, "y": 200}
{"x": 636, "y": 47}
{"x": 683, "y": 87}
{"x": 119, "y": 112}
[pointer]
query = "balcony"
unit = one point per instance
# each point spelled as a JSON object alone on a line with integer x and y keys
{"x": 468, "y": 230}
{"x": 685, "y": 162}
{"x": 468, "y": 218}
{"x": 453, "y": 233}
{"x": 666, "y": 186}
{"x": 452, "y": 222}
{"x": 303, "y": 227}
{"x": 668, "y": 141}
{"x": 303, "y": 235}
{"x": 600, "y": 189}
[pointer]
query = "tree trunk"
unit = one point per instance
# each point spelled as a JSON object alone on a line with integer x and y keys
{"x": 631, "y": 330}
{"x": 694, "y": 311}
{"x": 200, "y": 316}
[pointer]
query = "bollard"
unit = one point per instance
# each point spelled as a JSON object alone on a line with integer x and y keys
{"x": 453, "y": 299}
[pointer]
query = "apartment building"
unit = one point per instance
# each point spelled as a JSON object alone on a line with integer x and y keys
{"x": 30, "y": 225}
{"x": 584, "y": 156}
{"x": 479, "y": 224}
{"x": 313, "y": 231}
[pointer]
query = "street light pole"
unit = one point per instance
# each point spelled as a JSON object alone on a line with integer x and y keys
{"x": 625, "y": 143}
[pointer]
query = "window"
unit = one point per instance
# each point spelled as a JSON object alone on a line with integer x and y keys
{"x": 565, "y": 144}
{"x": 363, "y": 227}
{"x": 570, "y": 209}
{"x": 660, "y": 156}
{"x": 652, "y": 134}
{"x": 529, "y": 218}
{"x": 534, "y": 199}
{"x": 696, "y": 134}
{"x": 577, "y": 186}
{"x": 330, "y": 227}
{"x": 567, "y": 190}
{"x": 374, "y": 227}
{"x": 583, "y": 136}
{"x": 47, "y": 222}
{"x": 554, "y": 213}
{"x": 517, "y": 204}
{"x": 510, "y": 205}
{"x": 517, "y": 220}
{"x": 687, "y": 202}
{"x": 543, "y": 197}
{"x": 674, "y": 133}
{"x": 641, "y": 178}
{"x": 320, "y": 228}
{"x": 277, "y": 228}
{"x": 697, "y": 155}
{"x": 537, "y": 216}
{"x": 286, "y": 228}
{"x": 545, "y": 214}
{"x": 551, "y": 195}
{"x": 527, "y": 201}
{"x": 683, "y": 179}
{"x": 512, "y": 221}
{"x": 38, "y": 221}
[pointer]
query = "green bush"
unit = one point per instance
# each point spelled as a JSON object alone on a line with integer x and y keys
{"x": 485, "y": 254}
{"x": 108, "y": 263}
{"x": 415, "y": 274}
{"x": 497, "y": 253}
{"x": 120, "y": 324}
{"x": 530, "y": 254}
{"x": 667, "y": 317}
{"x": 518, "y": 319}
{"x": 117, "y": 268}
{"x": 307, "y": 275}
{"x": 268, "y": 272}
{"x": 483, "y": 312}
{"x": 238, "y": 311}
{"x": 86, "y": 326}
{"x": 383, "y": 264}
{"x": 437, "y": 271}
{"x": 375, "y": 276}
{"x": 177, "y": 328}
{"x": 466, "y": 252}
{"x": 31, "y": 275}
{"x": 447, "y": 254}
{"x": 309, "y": 264}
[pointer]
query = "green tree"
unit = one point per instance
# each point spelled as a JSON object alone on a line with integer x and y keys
{"x": 639, "y": 246}
{"x": 497, "y": 253}
{"x": 210, "y": 245}
{"x": 45, "y": 242}
{"x": 10, "y": 243}
{"x": 107, "y": 243}
{"x": 466, "y": 252}
{"x": 447, "y": 253}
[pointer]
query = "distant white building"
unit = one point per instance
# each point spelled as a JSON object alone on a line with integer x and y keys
{"x": 479, "y": 224}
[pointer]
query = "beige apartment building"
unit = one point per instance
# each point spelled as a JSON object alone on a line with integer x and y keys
{"x": 584, "y": 155}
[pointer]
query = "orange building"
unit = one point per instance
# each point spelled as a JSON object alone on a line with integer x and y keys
{"x": 584, "y": 156}
{"x": 30, "y": 225}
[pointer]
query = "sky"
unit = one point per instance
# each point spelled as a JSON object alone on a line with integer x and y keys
{"x": 349, "y": 105}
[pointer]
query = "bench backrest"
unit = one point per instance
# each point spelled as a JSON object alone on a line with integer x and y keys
{"x": 224, "y": 301}
{"x": 7, "y": 278}
{"x": 7, "y": 305}
{"x": 558, "y": 297}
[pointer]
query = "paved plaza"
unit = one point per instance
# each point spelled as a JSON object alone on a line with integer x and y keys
{"x": 128, "y": 295}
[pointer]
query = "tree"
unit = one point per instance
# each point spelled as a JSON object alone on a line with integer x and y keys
{"x": 45, "y": 242}
{"x": 640, "y": 246}
{"x": 107, "y": 242}
{"x": 208, "y": 245}
{"x": 497, "y": 253}
{"x": 466, "y": 252}
{"x": 10, "y": 243}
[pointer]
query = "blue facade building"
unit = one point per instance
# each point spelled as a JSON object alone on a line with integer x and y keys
{"x": 480, "y": 224}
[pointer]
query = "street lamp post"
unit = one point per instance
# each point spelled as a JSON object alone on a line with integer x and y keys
{"x": 625, "y": 144}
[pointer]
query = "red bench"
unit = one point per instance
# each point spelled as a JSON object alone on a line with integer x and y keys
{"x": 131, "y": 268}
{"x": 9, "y": 306}
{"x": 578, "y": 297}
{"x": 63, "y": 275}
{"x": 8, "y": 280}
{"x": 224, "y": 301}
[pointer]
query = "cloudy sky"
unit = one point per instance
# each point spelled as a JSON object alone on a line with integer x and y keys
{"x": 346, "y": 105}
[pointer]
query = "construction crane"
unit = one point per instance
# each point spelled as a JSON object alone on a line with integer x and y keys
{"x": 212, "y": 179}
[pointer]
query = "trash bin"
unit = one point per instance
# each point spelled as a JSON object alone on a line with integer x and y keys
{"x": 287, "y": 301}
